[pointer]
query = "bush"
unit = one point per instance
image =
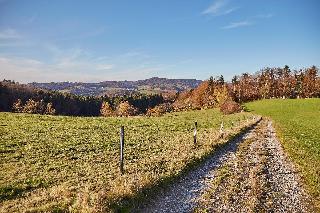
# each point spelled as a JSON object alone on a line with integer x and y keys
{"x": 159, "y": 110}
{"x": 17, "y": 106}
{"x": 106, "y": 110}
{"x": 125, "y": 109}
{"x": 34, "y": 107}
{"x": 230, "y": 107}
{"x": 50, "y": 110}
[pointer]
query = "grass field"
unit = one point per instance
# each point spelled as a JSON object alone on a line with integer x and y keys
{"x": 298, "y": 127}
{"x": 56, "y": 163}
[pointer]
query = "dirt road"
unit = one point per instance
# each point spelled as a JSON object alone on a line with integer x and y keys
{"x": 250, "y": 174}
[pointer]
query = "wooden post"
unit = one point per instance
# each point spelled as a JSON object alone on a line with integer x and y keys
{"x": 195, "y": 133}
{"x": 221, "y": 130}
{"x": 121, "y": 148}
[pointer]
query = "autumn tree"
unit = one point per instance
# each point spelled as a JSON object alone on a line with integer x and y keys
{"x": 235, "y": 88}
{"x": 159, "y": 110}
{"x": 298, "y": 90}
{"x": 309, "y": 82}
{"x": 41, "y": 107}
{"x": 49, "y": 109}
{"x": 248, "y": 88}
{"x": 287, "y": 82}
{"x": 31, "y": 106}
{"x": 221, "y": 95}
{"x": 125, "y": 109}
{"x": 200, "y": 95}
{"x": 17, "y": 106}
{"x": 317, "y": 93}
{"x": 106, "y": 110}
{"x": 183, "y": 100}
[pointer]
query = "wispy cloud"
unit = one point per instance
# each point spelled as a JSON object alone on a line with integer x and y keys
{"x": 28, "y": 70}
{"x": 218, "y": 8}
{"x": 215, "y": 7}
{"x": 9, "y": 34}
{"x": 250, "y": 21}
{"x": 237, "y": 24}
{"x": 78, "y": 65}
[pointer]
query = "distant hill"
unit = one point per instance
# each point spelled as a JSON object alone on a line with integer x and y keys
{"x": 153, "y": 85}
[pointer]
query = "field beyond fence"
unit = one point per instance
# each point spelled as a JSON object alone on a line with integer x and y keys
{"x": 71, "y": 163}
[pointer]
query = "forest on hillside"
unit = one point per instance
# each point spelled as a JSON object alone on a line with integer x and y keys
{"x": 15, "y": 97}
{"x": 265, "y": 84}
{"x": 153, "y": 85}
{"x": 214, "y": 92}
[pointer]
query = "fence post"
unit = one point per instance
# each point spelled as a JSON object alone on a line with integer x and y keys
{"x": 121, "y": 148}
{"x": 195, "y": 132}
{"x": 221, "y": 130}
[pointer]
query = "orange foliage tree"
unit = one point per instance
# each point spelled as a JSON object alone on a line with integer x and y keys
{"x": 106, "y": 110}
{"x": 125, "y": 109}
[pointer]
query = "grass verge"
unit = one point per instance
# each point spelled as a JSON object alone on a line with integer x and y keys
{"x": 137, "y": 201}
{"x": 297, "y": 122}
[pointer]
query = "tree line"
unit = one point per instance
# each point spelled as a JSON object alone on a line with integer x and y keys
{"x": 265, "y": 84}
{"x": 214, "y": 92}
{"x": 15, "y": 97}
{"x": 277, "y": 83}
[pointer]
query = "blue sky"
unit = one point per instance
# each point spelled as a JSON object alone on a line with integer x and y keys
{"x": 93, "y": 41}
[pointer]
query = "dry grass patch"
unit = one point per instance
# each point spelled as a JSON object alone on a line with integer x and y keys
{"x": 56, "y": 163}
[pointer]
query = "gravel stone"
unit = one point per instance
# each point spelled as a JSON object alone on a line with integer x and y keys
{"x": 260, "y": 178}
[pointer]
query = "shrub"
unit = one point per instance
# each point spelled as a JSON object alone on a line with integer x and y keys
{"x": 106, "y": 110}
{"x": 50, "y": 110}
{"x": 159, "y": 110}
{"x": 125, "y": 109}
{"x": 230, "y": 107}
{"x": 34, "y": 107}
{"x": 30, "y": 106}
{"x": 17, "y": 106}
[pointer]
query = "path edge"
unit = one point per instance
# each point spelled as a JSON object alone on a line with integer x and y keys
{"x": 140, "y": 199}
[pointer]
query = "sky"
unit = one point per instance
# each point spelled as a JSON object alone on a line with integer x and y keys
{"x": 94, "y": 41}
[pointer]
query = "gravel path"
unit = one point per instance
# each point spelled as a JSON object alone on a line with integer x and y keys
{"x": 250, "y": 174}
{"x": 181, "y": 197}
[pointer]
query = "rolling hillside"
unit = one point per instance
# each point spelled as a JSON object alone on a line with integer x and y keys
{"x": 152, "y": 85}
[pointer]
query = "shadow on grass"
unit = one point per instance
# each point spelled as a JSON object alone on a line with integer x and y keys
{"x": 246, "y": 109}
{"x": 12, "y": 192}
{"x": 137, "y": 201}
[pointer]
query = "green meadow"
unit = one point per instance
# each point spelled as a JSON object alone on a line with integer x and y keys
{"x": 297, "y": 122}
